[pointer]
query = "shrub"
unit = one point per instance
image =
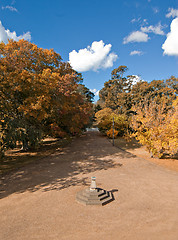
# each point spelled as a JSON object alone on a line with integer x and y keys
{"x": 110, "y": 133}
{"x": 104, "y": 119}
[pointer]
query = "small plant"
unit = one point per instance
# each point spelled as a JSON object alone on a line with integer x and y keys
{"x": 110, "y": 133}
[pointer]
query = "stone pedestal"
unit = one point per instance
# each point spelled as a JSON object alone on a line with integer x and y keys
{"x": 94, "y": 195}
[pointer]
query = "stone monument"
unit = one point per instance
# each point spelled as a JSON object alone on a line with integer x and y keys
{"x": 94, "y": 195}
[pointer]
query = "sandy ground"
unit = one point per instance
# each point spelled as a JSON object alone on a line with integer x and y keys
{"x": 38, "y": 200}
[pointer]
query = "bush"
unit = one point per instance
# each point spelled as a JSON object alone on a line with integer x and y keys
{"x": 110, "y": 133}
{"x": 104, "y": 119}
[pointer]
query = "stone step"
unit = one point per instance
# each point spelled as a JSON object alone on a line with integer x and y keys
{"x": 82, "y": 196}
{"x": 89, "y": 202}
{"x": 98, "y": 197}
{"x": 94, "y": 201}
{"x": 93, "y": 195}
{"x": 90, "y": 198}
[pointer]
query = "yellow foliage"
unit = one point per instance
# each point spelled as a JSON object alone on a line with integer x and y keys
{"x": 157, "y": 128}
{"x": 105, "y": 117}
{"x": 103, "y": 114}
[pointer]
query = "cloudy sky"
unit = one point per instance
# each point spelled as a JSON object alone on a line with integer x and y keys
{"x": 96, "y": 36}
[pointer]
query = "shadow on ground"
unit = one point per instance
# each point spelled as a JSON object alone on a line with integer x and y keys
{"x": 127, "y": 145}
{"x": 15, "y": 158}
{"x": 87, "y": 154}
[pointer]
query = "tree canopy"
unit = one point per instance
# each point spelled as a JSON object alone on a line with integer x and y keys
{"x": 39, "y": 95}
{"x": 121, "y": 93}
{"x": 145, "y": 110}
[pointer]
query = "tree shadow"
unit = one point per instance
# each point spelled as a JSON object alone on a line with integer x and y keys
{"x": 18, "y": 157}
{"x": 133, "y": 144}
{"x": 87, "y": 154}
{"x": 127, "y": 145}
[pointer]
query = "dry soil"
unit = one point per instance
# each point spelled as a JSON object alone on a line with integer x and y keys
{"x": 38, "y": 200}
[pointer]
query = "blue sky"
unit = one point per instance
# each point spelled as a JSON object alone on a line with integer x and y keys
{"x": 97, "y": 36}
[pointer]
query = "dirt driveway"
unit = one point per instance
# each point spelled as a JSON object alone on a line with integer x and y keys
{"x": 38, "y": 200}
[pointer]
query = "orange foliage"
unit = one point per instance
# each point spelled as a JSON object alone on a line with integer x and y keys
{"x": 38, "y": 91}
{"x": 110, "y": 133}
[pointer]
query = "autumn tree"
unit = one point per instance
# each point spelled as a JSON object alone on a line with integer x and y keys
{"x": 172, "y": 83}
{"x": 121, "y": 93}
{"x": 104, "y": 120}
{"x": 116, "y": 93}
{"x": 85, "y": 92}
{"x": 25, "y": 90}
{"x": 152, "y": 106}
{"x": 156, "y": 127}
{"x": 37, "y": 92}
{"x": 153, "y": 91}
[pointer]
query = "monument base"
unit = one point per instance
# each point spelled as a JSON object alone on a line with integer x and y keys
{"x": 96, "y": 197}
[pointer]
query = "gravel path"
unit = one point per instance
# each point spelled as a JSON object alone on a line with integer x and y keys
{"x": 38, "y": 200}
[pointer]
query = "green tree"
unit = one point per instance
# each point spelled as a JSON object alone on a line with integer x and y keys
{"x": 121, "y": 93}
{"x": 116, "y": 93}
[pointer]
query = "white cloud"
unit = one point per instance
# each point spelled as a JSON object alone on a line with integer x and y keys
{"x": 7, "y": 34}
{"x": 136, "y": 52}
{"x": 135, "y": 79}
{"x": 136, "y": 36}
{"x": 96, "y": 92}
{"x": 155, "y": 29}
{"x": 93, "y": 57}
{"x": 170, "y": 46}
{"x": 172, "y": 13}
{"x": 142, "y": 36}
{"x": 12, "y": 9}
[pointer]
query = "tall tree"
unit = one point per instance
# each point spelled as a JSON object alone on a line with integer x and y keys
{"x": 38, "y": 91}
{"x": 121, "y": 93}
{"x": 156, "y": 128}
{"x": 116, "y": 93}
